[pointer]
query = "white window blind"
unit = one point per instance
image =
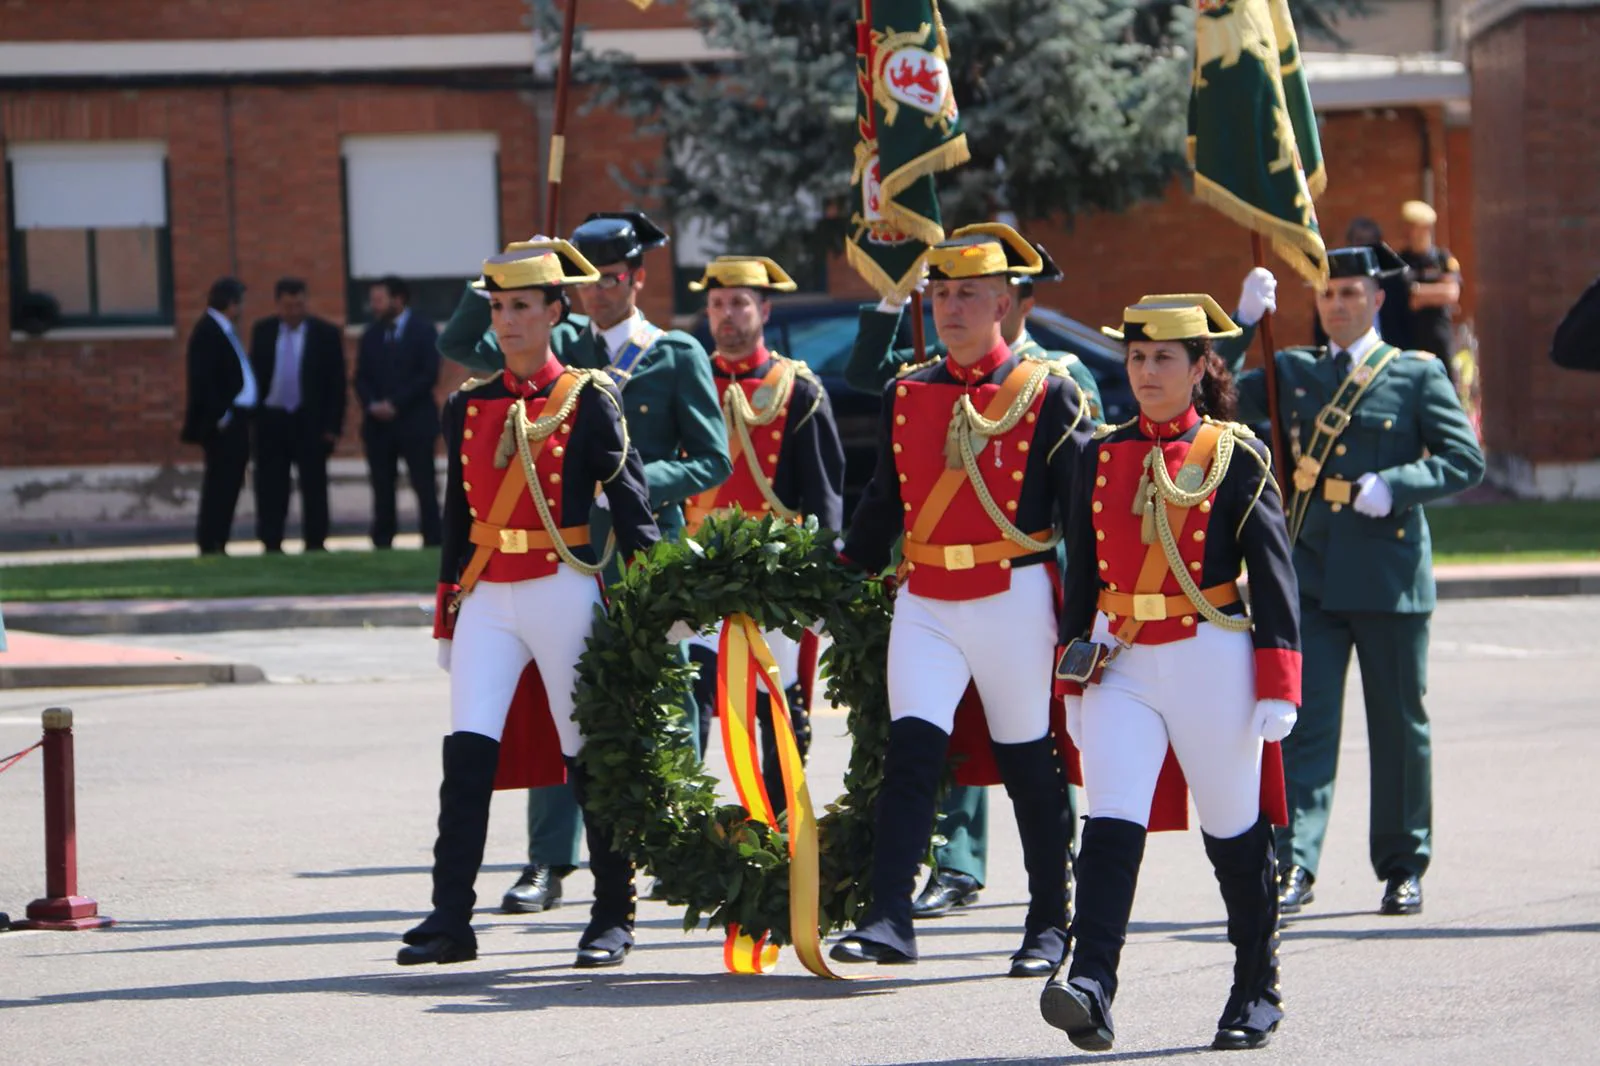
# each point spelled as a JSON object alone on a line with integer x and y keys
{"x": 421, "y": 207}
{"x": 105, "y": 185}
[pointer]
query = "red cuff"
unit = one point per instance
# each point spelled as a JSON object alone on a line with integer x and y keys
{"x": 444, "y": 615}
{"x": 1278, "y": 675}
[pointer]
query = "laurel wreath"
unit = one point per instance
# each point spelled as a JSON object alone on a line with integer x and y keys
{"x": 644, "y": 781}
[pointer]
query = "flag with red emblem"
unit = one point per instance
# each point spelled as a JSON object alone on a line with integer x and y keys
{"x": 909, "y": 129}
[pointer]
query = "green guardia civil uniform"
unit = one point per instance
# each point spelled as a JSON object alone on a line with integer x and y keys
{"x": 1365, "y": 582}
{"x": 874, "y": 362}
{"x": 673, "y": 418}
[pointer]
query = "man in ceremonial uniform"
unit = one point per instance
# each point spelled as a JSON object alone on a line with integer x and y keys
{"x": 1373, "y": 433}
{"x": 787, "y": 457}
{"x": 673, "y": 419}
{"x": 975, "y": 461}
{"x": 961, "y": 862}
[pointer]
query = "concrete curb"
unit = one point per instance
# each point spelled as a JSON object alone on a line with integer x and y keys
{"x": 110, "y": 618}
{"x": 106, "y": 675}
{"x": 81, "y": 619}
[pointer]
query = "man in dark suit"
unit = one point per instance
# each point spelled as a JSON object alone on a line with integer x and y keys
{"x": 299, "y": 364}
{"x": 396, "y": 371}
{"x": 222, "y": 399}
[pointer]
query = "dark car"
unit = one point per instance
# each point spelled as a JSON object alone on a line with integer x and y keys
{"x": 821, "y": 332}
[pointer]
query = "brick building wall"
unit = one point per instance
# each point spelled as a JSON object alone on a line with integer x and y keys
{"x": 1537, "y": 225}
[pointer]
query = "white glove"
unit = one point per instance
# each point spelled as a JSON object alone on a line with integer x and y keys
{"x": 1074, "y": 719}
{"x": 601, "y": 502}
{"x": 1374, "y": 500}
{"x": 443, "y": 655}
{"x": 679, "y": 632}
{"x": 887, "y": 306}
{"x": 1258, "y": 296}
{"x": 1274, "y": 719}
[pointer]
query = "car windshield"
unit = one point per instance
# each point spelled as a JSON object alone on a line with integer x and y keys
{"x": 822, "y": 343}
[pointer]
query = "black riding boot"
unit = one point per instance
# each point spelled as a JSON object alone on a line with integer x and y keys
{"x": 771, "y": 768}
{"x": 1079, "y": 1002}
{"x": 1037, "y": 785}
{"x": 1247, "y": 871}
{"x": 446, "y": 935}
{"x": 907, "y": 806}
{"x": 609, "y": 936}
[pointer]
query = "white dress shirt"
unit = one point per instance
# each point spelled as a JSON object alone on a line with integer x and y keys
{"x": 284, "y": 392}
{"x": 248, "y": 393}
{"x": 1360, "y": 349}
{"x": 618, "y": 335}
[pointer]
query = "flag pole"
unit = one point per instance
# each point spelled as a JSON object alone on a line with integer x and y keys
{"x": 918, "y": 342}
{"x": 1269, "y": 352}
{"x": 558, "y": 131}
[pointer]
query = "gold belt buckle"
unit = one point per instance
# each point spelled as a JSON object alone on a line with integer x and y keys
{"x": 959, "y": 557}
{"x": 1332, "y": 421}
{"x": 1149, "y": 607}
{"x": 514, "y": 541}
{"x": 1336, "y": 490}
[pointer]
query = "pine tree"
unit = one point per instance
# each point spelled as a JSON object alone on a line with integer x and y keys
{"x": 1070, "y": 106}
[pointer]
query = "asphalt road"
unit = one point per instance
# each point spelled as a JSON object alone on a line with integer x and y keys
{"x": 263, "y": 846}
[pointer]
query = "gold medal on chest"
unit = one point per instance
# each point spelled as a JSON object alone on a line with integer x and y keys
{"x": 1362, "y": 374}
{"x": 1305, "y": 474}
{"x": 1190, "y": 477}
{"x": 761, "y": 399}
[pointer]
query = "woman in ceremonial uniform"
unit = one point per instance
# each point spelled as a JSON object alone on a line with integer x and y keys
{"x": 1161, "y": 654}
{"x": 529, "y": 448}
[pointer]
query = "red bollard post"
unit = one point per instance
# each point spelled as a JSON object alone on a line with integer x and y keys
{"x": 62, "y": 907}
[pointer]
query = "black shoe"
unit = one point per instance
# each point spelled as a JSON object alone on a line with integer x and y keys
{"x": 440, "y": 949}
{"x": 1242, "y": 1038}
{"x": 854, "y": 949}
{"x": 1402, "y": 895}
{"x": 945, "y": 891}
{"x": 1072, "y": 1007}
{"x": 538, "y": 889}
{"x": 1028, "y": 966}
{"x": 1294, "y": 889}
{"x": 595, "y": 958}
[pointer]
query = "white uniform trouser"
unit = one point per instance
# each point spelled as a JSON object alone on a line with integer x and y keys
{"x": 1005, "y": 643}
{"x": 1199, "y": 695}
{"x": 785, "y": 652}
{"x": 501, "y": 627}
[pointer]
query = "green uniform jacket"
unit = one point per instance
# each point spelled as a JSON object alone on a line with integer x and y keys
{"x": 874, "y": 360}
{"x": 1410, "y": 429}
{"x": 670, "y": 403}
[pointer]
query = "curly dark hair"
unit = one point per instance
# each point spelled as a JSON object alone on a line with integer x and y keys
{"x": 1216, "y": 394}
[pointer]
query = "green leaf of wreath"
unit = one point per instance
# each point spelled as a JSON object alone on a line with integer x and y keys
{"x": 644, "y": 779}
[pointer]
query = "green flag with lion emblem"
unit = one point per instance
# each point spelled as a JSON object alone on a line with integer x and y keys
{"x": 1252, "y": 132}
{"x": 909, "y": 129}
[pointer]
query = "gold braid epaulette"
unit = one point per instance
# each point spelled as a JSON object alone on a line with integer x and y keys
{"x": 1105, "y": 429}
{"x": 473, "y": 384}
{"x": 803, "y": 371}
{"x": 913, "y": 367}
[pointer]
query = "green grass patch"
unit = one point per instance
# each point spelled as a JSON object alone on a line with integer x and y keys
{"x": 220, "y": 577}
{"x": 1516, "y": 532}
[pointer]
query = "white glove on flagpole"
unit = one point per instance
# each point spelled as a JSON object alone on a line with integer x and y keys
{"x": 1374, "y": 500}
{"x": 443, "y": 654}
{"x": 1274, "y": 719}
{"x": 893, "y": 307}
{"x": 1074, "y": 706}
{"x": 1258, "y": 296}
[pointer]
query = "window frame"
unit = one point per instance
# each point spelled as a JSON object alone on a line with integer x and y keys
{"x": 16, "y": 250}
{"x": 439, "y": 293}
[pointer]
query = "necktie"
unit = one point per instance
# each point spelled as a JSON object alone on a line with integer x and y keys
{"x": 1342, "y": 363}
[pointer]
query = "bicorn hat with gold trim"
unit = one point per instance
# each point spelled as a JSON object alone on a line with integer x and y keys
{"x": 536, "y": 264}
{"x": 1174, "y": 317}
{"x": 744, "y": 272}
{"x": 983, "y": 250}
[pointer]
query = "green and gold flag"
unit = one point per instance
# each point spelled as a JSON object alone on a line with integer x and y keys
{"x": 1252, "y": 131}
{"x": 909, "y": 129}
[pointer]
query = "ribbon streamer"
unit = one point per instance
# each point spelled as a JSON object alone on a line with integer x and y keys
{"x": 743, "y": 658}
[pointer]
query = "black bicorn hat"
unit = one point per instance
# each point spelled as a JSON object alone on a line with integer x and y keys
{"x": 1377, "y": 261}
{"x": 607, "y": 237}
{"x": 1048, "y": 271}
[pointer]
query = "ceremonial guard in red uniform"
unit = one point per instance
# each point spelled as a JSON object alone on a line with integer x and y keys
{"x": 1160, "y": 657}
{"x": 976, "y": 460}
{"x": 529, "y": 449}
{"x": 787, "y": 458}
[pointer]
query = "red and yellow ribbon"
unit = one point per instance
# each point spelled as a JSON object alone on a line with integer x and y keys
{"x": 743, "y": 658}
